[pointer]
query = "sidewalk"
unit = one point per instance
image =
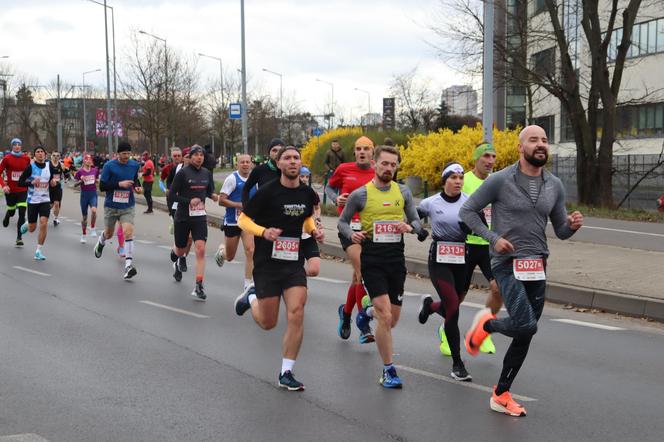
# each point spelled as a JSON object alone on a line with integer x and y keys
{"x": 614, "y": 279}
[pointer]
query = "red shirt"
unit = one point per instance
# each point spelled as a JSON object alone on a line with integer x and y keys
{"x": 148, "y": 171}
{"x": 165, "y": 171}
{"x": 348, "y": 177}
{"x": 13, "y": 166}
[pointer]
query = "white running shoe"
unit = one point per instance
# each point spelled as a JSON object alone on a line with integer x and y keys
{"x": 83, "y": 240}
{"x": 93, "y": 233}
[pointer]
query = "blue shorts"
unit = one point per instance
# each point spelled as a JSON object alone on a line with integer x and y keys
{"x": 88, "y": 199}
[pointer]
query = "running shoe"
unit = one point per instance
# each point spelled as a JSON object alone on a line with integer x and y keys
{"x": 288, "y": 382}
{"x": 242, "y": 302}
{"x": 199, "y": 293}
{"x": 505, "y": 404}
{"x": 174, "y": 257}
{"x": 343, "y": 329}
{"x": 177, "y": 274}
{"x": 99, "y": 247}
{"x": 19, "y": 242}
{"x": 476, "y": 333}
{"x": 390, "y": 379}
{"x": 362, "y": 322}
{"x": 182, "y": 263}
{"x": 425, "y": 309}
{"x": 460, "y": 373}
{"x": 130, "y": 272}
{"x": 93, "y": 233}
{"x": 488, "y": 346}
{"x": 219, "y": 257}
{"x": 444, "y": 344}
{"x": 56, "y": 222}
{"x": 83, "y": 240}
{"x": 24, "y": 228}
{"x": 39, "y": 256}
{"x": 5, "y": 220}
{"x": 121, "y": 251}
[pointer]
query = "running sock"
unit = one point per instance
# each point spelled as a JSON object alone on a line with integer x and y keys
{"x": 92, "y": 225}
{"x": 39, "y": 246}
{"x": 251, "y": 298}
{"x": 388, "y": 366}
{"x": 287, "y": 365}
{"x": 359, "y": 294}
{"x": 248, "y": 282}
{"x": 350, "y": 300}
{"x": 84, "y": 228}
{"x": 129, "y": 252}
{"x": 370, "y": 312}
{"x": 102, "y": 238}
{"x": 199, "y": 278}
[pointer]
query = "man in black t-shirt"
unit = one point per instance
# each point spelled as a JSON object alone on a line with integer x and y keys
{"x": 285, "y": 206}
{"x": 263, "y": 173}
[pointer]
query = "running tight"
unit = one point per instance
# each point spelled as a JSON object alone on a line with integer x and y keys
{"x": 21, "y": 218}
{"x": 448, "y": 280}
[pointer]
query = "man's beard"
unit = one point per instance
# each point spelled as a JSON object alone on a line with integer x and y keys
{"x": 536, "y": 161}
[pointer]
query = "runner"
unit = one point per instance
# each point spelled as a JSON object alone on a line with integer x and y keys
{"x": 55, "y": 192}
{"x": 263, "y": 173}
{"x": 87, "y": 177}
{"x": 190, "y": 187}
{"x": 286, "y": 207}
{"x": 16, "y": 196}
{"x": 382, "y": 205}
{"x": 346, "y": 178}
{"x": 447, "y": 270}
{"x": 310, "y": 248}
{"x": 180, "y": 160}
{"x": 38, "y": 177}
{"x": 119, "y": 179}
{"x": 522, "y": 197}
{"x": 147, "y": 172}
{"x": 230, "y": 197}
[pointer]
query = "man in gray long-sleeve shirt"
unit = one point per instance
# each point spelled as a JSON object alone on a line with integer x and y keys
{"x": 523, "y": 197}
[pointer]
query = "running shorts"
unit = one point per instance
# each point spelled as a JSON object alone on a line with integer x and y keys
{"x": 197, "y": 228}
{"x": 384, "y": 278}
{"x": 270, "y": 284}
{"x": 309, "y": 248}
{"x": 55, "y": 193}
{"x": 231, "y": 231}
{"x": 112, "y": 216}
{"x": 36, "y": 211}
{"x": 88, "y": 199}
{"x": 15, "y": 200}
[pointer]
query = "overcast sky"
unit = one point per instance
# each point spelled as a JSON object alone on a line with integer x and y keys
{"x": 351, "y": 43}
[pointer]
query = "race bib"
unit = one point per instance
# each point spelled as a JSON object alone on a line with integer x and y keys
{"x": 16, "y": 174}
{"x": 356, "y": 225}
{"x": 175, "y": 206}
{"x": 450, "y": 252}
{"x": 41, "y": 185}
{"x": 197, "y": 209}
{"x": 529, "y": 269}
{"x": 286, "y": 249}
{"x": 56, "y": 176}
{"x": 88, "y": 179}
{"x": 121, "y": 196}
{"x": 386, "y": 232}
{"x": 487, "y": 215}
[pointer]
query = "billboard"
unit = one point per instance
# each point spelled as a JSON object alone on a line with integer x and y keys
{"x": 101, "y": 125}
{"x": 388, "y": 113}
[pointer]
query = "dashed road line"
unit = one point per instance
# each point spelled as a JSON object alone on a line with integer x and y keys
{"x": 24, "y": 269}
{"x": 588, "y": 324}
{"x": 173, "y": 309}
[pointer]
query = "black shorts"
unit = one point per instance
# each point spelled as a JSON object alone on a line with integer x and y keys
{"x": 269, "y": 283}
{"x": 477, "y": 255}
{"x": 182, "y": 229}
{"x": 36, "y": 211}
{"x": 345, "y": 242}
{"x": 309, "y": 248}
{"x": 15, "y": 200}
{"x": 55, "y": 193}
{"x": 384, "y": 278}
{"x": 231, "y": 231}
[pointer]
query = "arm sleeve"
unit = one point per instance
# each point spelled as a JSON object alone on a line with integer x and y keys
{"x": 164, "y": 172}
{"x": 175, "y": 189}
{"x": 558, "y": 216}
{"x": 248, "y": 225}
{"x": 409, "y": 209}
{"x": 210, "y": 188}
{"x": 487, "y": 193}
{"x": 356, "y": 202}
{"x": 309, "y": 225}
{"x": 248, "y": 185}
{"x": 26, "y": 177}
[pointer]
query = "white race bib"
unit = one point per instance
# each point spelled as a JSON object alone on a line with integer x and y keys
{"x": 487, "y": 215}
{"x": 529, "y": 269}
{"x": 450, "y": 252}
{"x": 175, "y": 206}
{"x": 16, "y": 174}
{"x": 41, "y": 185}
{"x": 386, "y": 231}
{"x": 121, "y": 196}
{"x": 88, "y": 179}
{"x": 197, "y": 209}
{"x": 286, "y": 249}
{"x": 356, "y": 225}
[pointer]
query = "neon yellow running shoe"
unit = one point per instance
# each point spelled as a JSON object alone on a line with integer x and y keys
{"x": 487, "y": 346}
{"x": 366, "y": 302}
{"x": 444, "y": 345}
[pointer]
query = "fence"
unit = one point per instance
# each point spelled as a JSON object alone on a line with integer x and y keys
{"x": 627, "y": 170}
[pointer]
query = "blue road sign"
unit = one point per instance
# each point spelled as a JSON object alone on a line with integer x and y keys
{"x": 317, "y": 131}
{"x": 235, "y": 111}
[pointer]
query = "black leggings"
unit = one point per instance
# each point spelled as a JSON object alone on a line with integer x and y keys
{"x": 449, "y": 280}
{"x": 147, "y": 192}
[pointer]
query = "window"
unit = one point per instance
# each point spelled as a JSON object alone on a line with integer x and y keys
{"x": 540, "y": 6}
{"x": 647, "y": 38}
{"x": 544, "y": 62}
{"x": 645, "y": 120}
{"x": 546, "y": 123}
{"x": 566, "y": 130}
{"x": 652, "y": 37}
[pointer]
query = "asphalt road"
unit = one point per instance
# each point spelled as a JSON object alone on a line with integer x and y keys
{"x": 88, "y": 356}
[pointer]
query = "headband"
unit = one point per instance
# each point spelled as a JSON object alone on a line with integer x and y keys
{"x": 450, "y": 169}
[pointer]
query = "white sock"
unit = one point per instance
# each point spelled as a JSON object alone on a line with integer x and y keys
{"x": 39, "y": 247}
{"x": 248, "y": 282}
{"x": 102, "y": 238}
{"x": 287, "y": 365}
{"x": 129, "y": 248}
{"x": 251, "y": 298}
{"x": 369, "y": 312}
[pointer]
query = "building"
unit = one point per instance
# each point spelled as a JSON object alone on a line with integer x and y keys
{"x": 460, "y": 100}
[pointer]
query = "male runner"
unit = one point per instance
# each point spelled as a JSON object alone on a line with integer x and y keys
{"x": 522, "y": 197}
{"x": 190, "y": 187}
{"x": 346, "y": 178}
{"x": 382, "y": 205}
{"x": 86, "y": 177}
{"x": 285, "y": 206}
{"x": 263, "y": 173}
{"x": 148, "y": 179}
{"x": 55, "y": 192}
{"x": 16, "y": 196}
{"x": 119, "y": 179}
{"x": 230, "y": 197}
{"x": 38, "y": 177}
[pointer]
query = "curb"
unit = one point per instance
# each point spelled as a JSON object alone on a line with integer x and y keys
{"x": 556, "y": 292}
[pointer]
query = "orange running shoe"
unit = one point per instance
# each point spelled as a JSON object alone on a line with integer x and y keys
{"x": 476, "y": 334}
{"x": 505, "y": 404}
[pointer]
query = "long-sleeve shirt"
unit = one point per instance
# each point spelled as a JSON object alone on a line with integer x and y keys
{"x": 13, "y": 166}
{"x": 258, "y": 177}
{"x": 113, "y": 172}
{"x": 515, "y": 217}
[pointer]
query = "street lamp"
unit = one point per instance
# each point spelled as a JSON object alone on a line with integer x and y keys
{"x": 85, "y": 120}
{"x": 368, "y": 103}
{"x": 281, "y": 95}
{"x": 245, "y": 127}
{"x": 168, "y": 112}
{"x": 331, "y": 102}
{"x": 223, "y": 107}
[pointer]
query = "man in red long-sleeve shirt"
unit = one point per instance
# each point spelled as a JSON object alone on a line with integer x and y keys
{"x": 12, "y": 166}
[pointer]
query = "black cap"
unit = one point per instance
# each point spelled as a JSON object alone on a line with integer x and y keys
{"x": 124, "y": 146}
{"x": 195, "y": 149}
{"x": 275, "y": 142}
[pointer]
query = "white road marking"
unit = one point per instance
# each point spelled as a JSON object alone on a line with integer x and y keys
{"x": 165, "y": 247}
{"x": 25, "y": 437}
{"x": 659, "y": 235}
{"x": 31, "y": 271}
{"x": 332, "y": 280}
{"x": 472, "y": 385}
{"x": 413, "y": 294}
{"x": 143, "y": 241}
{"x": 588, "y": 324}
{"x": 173, "y": 309}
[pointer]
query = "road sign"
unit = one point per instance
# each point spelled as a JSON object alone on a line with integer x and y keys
{"x": 317, "y": 131}
{"x": 388, "y": 113}
{"x": 235, "y": 111}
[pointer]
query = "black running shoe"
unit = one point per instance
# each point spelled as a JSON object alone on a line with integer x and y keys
{"x": 130, "y": 272}
{"x": 460, "y": 373}
{"x": 174, "y": 257}
{"x": 182, "y": 263}
{"x": 19, "y": 242}
{"x": 5, "y": 220}
{"x": 99, "y": 247}
{"x": 177, "y": 274}
{"x": 198, "y": 292}
{"x": 343, "y": 328}
{"x": 425, "y": 309}
{"x": 288, "y": 382}
{"x": 242, "y": 303}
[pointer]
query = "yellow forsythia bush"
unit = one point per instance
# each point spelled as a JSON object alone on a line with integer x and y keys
{"x": 310, "y": 149}
{"x": 426, "y": 155}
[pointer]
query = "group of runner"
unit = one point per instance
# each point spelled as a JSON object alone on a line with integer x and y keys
{"x": 494, "y": 220}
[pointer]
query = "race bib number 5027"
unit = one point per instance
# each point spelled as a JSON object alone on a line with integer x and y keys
{"x": 529, "y": 269}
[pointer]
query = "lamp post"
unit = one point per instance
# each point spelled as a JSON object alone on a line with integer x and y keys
{"x": 85, "y": 120}
{"x": 281, "y": 96}
{"x": 487, "y": 74}
{"x": 223, "y": 107}
{"x": 245, "y": 129}
{"x": 331, "y": 120}
{"x": 168, "y": 112}
{"x": 368, "y": 103}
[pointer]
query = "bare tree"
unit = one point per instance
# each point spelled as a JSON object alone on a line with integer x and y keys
{"x": 414, "y": 100}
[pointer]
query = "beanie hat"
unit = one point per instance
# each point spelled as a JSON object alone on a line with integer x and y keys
{"x": 304, "y": 170}
{"x": 17, "y": 141}
{"x": 275, "y": 142}
{"x": 364, "y": 141}
{"x": 482, "y": 149}
{"x": 124, "y": 146}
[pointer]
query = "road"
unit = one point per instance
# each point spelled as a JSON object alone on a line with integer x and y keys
{"x": 88, "y": 356}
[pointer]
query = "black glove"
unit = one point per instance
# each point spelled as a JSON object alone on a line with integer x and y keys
{"x": 423, "y": 235}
